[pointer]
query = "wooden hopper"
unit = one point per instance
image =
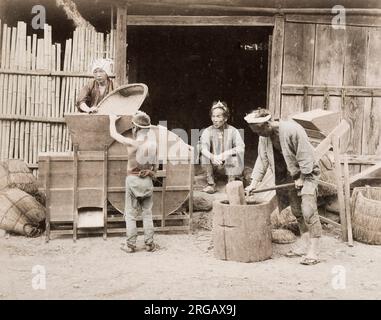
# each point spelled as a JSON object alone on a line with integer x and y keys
{"x": 318, "y": 123}
{"x": 91, "y": 132}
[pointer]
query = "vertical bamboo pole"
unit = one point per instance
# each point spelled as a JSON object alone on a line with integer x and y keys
{"x": 28, "y": 100}
{"x": 64, "y": 84}
{"x": 8, "y": 93}
{"x": 53, "y": 136}
{"x": 67, "y": 67}
{"x": 47, "y": 95}
{"x": 34, "y": 126}
{"x": 57, "y": 97}
{"x": 4, "y": 90}
{"x": 18, "y": 58}
{"x": 39, "y": 106}
{"x": 1, "y": 90}
{"x": 23, "y": 100}
{"x": 13, "y": 93}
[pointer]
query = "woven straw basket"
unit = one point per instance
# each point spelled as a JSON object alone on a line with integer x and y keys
{"x": 20, "y": 212}
{"x": 366, "y": 214}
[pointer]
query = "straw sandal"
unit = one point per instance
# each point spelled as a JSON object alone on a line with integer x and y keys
{"x": 209, "y": 189}
{"x": 152, "y": 247}
{"x": 293, "y": 254}
{"x": 127, "y": 248}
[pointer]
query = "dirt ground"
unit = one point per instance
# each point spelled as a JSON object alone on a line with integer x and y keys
{"x": 184, "y": 268}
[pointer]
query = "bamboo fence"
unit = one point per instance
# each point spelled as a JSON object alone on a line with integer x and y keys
{"x": 39, "y": 84}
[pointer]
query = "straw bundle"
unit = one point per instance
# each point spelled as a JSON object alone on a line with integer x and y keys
{"x": 18, "y": 175}
{"x": 282, "y": 236}
{"x": 366, "y": 214}
{"x": 282, "y": 219}
{"x": 20, "y": 213}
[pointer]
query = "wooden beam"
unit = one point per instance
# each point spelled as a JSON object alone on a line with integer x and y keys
{"x": 276, "y": 67}
{"x": 329, "y": 221}
{"x": 340, "y": 189}
{"x": 347, "y": 196}
{"x": 49, "y": 73}
{"x": 121, "y": 46}
{"x": 365, "y": 173}
{"x": 361, "y": 159}
{"x": 340, "y": 131}
{"x": 316, "y": 90}
{"x": 350, "y": 20}
{"x": 136, "y": 20}
{"x": 18, "y": 117}
{"x": 252, "y": 10}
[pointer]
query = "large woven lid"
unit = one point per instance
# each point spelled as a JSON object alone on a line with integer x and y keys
{"x": 125, "y": 100}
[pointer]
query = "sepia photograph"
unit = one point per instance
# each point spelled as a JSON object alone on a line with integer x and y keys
{"x": 200, "y": 151}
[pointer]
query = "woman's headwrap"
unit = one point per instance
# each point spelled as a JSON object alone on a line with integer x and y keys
{"x": 104, "y": 64}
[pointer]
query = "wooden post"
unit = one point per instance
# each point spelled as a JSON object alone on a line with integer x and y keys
{"x": 121, "y": 46}
{"x": 105, "y": 173}
{"x": 340, "y": 191}
{"x": 191, "y": 192}
{"x": 47, "y": 202}
{"x": 276, "y": 67}
{"x": 163, "y": 190}
{"x": 75, "y": 191}
{"x": 235, "y": 193}
{"x": 347, "y": 193}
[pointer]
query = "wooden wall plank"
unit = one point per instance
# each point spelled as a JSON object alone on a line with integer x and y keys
{"x": 298, "y": 63}
{"x": 351, "y": 20}
{"x": 372, "y": 110}
{"x": 355, "y": 75}
{"x": 276, "y": 67}
{"x": 329, "y": 63}
{"x": 121, "y": 46}
{"x": 137, "y": 20}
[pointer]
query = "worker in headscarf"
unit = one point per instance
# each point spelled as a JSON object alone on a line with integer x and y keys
{"x": 98, "y": 88}
{"x": 222, "y": 147}
{"x": 285, "y": 149}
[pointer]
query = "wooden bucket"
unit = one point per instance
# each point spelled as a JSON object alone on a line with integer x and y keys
{"x": 242, "y": 232}
{"x": 20, "y": 212}
{"x": 366, "y": 215}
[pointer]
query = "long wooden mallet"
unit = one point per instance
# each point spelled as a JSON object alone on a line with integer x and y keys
{"x": 280, "y": 186}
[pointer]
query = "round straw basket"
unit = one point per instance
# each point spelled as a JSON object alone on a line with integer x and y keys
{"x": 366, "y": 214}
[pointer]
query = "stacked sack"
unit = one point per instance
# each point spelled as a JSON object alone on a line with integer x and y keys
{"x": 21, "y": 204}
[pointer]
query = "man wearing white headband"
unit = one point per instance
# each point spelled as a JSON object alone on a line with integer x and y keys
{"x": 222, "y": 147}
{"x": 285, "y": 149}
{"x": 99, "y": 87}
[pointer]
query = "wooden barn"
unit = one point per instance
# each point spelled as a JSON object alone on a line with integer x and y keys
{"x": 290, "y": 56}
